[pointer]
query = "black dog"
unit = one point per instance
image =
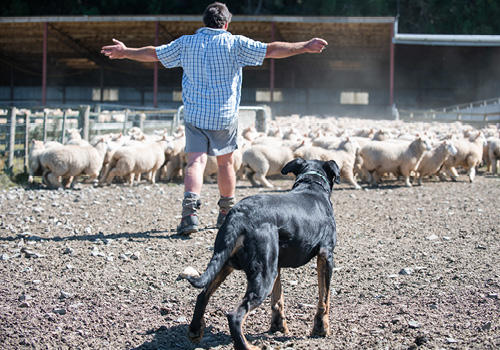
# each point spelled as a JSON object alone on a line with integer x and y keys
{"x": 264, "y": 233}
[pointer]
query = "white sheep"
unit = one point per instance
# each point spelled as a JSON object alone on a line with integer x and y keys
{"x": 433, "y": 160}
{"x": 70, "y": 161}
{"x": 381, "y": 157}
{"x": 260, "y": 161}
{"x": 494, "y": 153}
{"x": 131, "y": 161}
{"x": 36, "y": 150}
{"x": 75, "y": 138}
{"x": 175, "y": 158}
{"x": 469, "y": 155}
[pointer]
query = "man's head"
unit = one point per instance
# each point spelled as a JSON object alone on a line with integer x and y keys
{"x": 216, "y": 15}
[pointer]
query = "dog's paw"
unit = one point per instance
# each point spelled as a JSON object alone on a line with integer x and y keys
{"x": 277, "y": 327}
{"x": 320, "y": 329}
{"x": 195, "y": 335}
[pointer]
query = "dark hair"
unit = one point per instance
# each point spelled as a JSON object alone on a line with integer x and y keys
{"x": 216, "y": 15}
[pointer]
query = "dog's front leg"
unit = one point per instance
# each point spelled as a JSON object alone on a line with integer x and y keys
{"x": 324, "y": 267}
{"x": 197, "y": 326}
{"x": 278, "y": 322}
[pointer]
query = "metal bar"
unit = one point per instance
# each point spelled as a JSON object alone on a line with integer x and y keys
{"x": 44, "y": 64}
{"x": 196, "y": 19}
{"x": 101, "y": 86}
{"x": 26, "y": 140}
{"x": 45, "y": 116}
{"x": 391, "y": 68}
{"x": 63, "y": 133}
{"x": 155, "y": 70}
{"x": 12, "y": 137}
{"x": 271, "y": 70}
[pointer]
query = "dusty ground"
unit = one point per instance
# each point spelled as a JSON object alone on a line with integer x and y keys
{"x": 96, "y": 268}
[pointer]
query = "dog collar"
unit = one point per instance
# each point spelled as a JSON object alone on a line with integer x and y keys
{"x": 318, "y": 174}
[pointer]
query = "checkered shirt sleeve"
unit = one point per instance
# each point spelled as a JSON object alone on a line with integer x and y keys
{"x": 170, "y": 54}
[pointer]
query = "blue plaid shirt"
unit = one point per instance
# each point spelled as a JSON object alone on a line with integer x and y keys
{"x": 212, "y": 61}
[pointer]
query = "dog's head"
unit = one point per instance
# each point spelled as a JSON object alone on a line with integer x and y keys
{"x": 329, "y": 169}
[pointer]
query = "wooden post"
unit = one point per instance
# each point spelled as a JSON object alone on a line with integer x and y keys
{"x": 12, "y": 137}
{"x": 84, "y": 121}
{"x": 26, "y": 140}
{"x": 45, "y": 115}
{"x": 63, "y": 127}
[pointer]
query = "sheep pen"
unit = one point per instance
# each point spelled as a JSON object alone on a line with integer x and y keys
{"x": 96, "y": 267}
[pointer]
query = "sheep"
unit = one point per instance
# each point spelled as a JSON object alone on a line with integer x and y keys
{"x": 175, "y": 158}
{"x": 494, "y": 153}
{"x": 131, "y": 161}
{"x": 212, "y": 168}
{"x": 74, "y": 138}
{"x": 469, "y": 155}
{"x": 344, "y": 156}
{"x": 69, "y": 161}
{"x": 36, "y": 150}
{"x": 380, "y": 157}
{"x": 433, "y": 160}
{"x": 260, "y": 161}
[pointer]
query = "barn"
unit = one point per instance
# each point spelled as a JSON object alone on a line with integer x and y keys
{"x": 366, "y": 68}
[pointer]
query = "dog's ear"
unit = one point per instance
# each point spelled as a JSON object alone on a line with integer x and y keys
{"x": 294, "y": 166}
{"x": 332, "y": 170}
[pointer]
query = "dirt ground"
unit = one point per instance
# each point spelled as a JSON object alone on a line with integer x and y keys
{"x": 96, "y": 268}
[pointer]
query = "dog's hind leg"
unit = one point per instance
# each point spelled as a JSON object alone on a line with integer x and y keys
{"x": 195, "y": 332}
{"x": 259, "y": 287}
{"x": 324, "y": 268}
{"x": 278, "y": 322}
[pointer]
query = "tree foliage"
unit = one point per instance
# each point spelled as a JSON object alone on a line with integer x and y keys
{"x": 416, "y": 16}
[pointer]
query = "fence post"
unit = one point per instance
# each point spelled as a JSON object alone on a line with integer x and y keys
{"x": 125, "y": 120}
{"x": 261, "y": 120}
{"x": 27, "y": 123}
{"x": 63, "y": 133}
{"x": 45, "y": 115}
{"x": 12, "y": 138}
{"x": 84, "y": 121}
{"x": 139, "y": 120}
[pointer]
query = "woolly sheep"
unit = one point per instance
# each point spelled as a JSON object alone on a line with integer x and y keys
{"x": 74, "y": 138}
{"x": 433, "y": 160}
{"x": 380, "y": 157}
{"x": 494, "y": 153}
{"x": 36, "y": 150}
{"x": 69, "y": 161}
{"x": 260, "y": 161}
{"x": 469, "y": 156}
{"x": 131, "y": 161}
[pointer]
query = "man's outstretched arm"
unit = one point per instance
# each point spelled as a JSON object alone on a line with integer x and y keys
{"x": 278, "y": 49}
{"x": 120, "y": 51}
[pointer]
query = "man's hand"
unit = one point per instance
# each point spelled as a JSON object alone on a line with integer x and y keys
{"x": 315, "y": 45}
{"x": 117, "y": 51}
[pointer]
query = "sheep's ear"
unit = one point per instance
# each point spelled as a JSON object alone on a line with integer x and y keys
{"x": 332, "y": 170}
{"x": 293, "y": 166}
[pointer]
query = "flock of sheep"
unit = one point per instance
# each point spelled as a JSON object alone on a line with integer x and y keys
{"x": 366, "y": 151}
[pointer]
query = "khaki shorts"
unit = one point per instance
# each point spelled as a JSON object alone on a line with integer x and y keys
{"x": 212, "y": 142}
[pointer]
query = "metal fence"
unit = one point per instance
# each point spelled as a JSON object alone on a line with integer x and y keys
{"x": 18, "y": 126}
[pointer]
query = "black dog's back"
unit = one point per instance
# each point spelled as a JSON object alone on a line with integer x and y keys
{"x": 294, "y": 225}
{"x": 263, "y": 233}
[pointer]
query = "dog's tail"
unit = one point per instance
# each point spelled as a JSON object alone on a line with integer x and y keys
{"x": 225, "y": 242}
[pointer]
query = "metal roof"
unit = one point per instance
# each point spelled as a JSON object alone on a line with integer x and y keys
{"x": 74, "y": 42}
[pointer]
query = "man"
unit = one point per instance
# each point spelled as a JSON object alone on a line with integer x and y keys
{"x": 212, "y": 61}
